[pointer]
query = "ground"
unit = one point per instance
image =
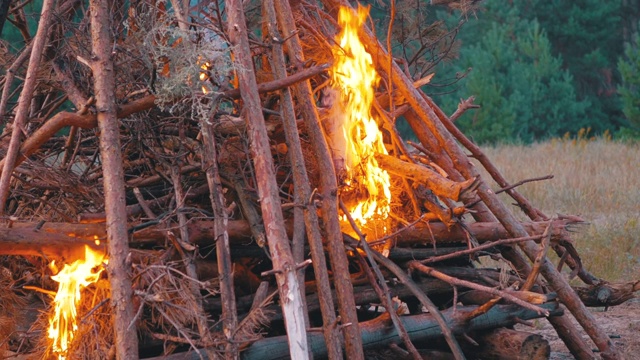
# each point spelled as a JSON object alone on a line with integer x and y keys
{"x": 621, "y": 323}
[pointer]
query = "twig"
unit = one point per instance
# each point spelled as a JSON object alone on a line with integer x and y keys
{"x": 512, "y": 186}
{"x": 458, "y": 282}
{"x": 542, "y": 253}
{"x": 482, "y": 247}
{"x": 462, "y": 107}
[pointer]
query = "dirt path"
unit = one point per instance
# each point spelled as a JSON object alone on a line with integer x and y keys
{"x": 621, "y": 323}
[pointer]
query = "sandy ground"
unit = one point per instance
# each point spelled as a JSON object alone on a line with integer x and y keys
{"x": 621, "y": 323}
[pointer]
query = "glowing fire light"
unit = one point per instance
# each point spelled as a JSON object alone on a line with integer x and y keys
{"x": 72, "y": 278}
{"x": 355, "y": 76}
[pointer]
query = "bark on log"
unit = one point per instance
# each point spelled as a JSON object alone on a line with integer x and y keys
{"x": 18, "y": 239}
{"x": 126, "y": 337}
{"x": 421, "y": 328}
{"x": 328, "y": 186}
{"x": 305, "y": 215}
{"x": 607, "y": 294}
{"x": 440, "y": 185}
{"x": 507, "y": 344}
{"x": 283, "y": 261}
{"x": 22, "y": 110}
{"x": 221, "y": 239}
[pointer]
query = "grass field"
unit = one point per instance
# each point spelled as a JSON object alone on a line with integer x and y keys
{"x": 596, "y": 179}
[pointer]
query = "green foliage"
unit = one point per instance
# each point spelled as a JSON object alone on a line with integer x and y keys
{"x": 523, "y": 90}
{"x": 540, "y": 69}
{"x": 629, "y": 67}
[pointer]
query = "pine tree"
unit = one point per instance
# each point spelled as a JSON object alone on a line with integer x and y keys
{"x": 629, "y": 67}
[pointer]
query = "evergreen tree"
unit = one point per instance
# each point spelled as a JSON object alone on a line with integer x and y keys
{"x": 524, "y": 92}
{"x": 537, "y": 65}
{"x": 629, "y": 67}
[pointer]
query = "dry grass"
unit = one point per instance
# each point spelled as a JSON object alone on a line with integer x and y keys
{"x": 596, "y": 179}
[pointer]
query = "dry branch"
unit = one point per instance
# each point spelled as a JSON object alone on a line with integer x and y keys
{"x": 126, "y": 342}
{"x": 283, "y": 262}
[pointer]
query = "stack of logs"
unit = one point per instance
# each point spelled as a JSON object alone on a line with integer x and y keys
{"x": 286, "y": 228}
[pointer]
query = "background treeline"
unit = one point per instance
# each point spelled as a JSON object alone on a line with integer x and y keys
{"x": 539, "y": 69}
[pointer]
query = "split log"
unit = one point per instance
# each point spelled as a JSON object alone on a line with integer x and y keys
{"x": 507, "y": 344}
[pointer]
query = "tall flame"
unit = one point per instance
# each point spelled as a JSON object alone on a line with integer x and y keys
{"x": 355, "y": 77}
{"x": 72, "y": 278}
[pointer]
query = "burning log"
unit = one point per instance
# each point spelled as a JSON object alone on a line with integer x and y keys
{"x": 434, "y": 181}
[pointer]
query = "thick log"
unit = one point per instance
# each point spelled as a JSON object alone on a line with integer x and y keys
{"x": 420, "y": 233}
{"x": 440, "y": 185}
{"x": 305, "y": 215}
{"x": 283, "y": 262}
{"x": 126, "y": 338}
{"x": 421, "y": 328}
{"x": 30, "y": 241}
{"x": 507, "y": 344}
{"x": 607, "y": 294}
{"x": 328, "y": 186}
{"x": 30, "y": 238}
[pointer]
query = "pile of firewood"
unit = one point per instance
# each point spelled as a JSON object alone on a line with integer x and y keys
{"x": 240, "y": 235}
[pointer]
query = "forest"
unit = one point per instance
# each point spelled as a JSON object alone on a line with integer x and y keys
{"x": 304, "y": 179}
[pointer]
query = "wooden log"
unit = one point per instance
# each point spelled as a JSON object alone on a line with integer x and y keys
{"x": 507, "y": 344}
{"x": 49, "y": 239}
{"x": 422, "y": 329}
{"x": 283, "y": 262}
{"x": 440, "y": 185}
{"x": 305, "y": 215}
{"x": 102, "y": 66}
{"x": 380, "y": 332}
{"x": 420, "y": 233}
{"x": 607, "y": 294}
{"x": 328, "y": 186}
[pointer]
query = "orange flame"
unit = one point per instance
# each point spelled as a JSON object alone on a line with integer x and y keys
{"x": 355, "y": 77}
{"x": 72, "y": 278}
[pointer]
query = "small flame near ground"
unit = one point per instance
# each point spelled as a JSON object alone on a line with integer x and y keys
{"x": 72, "y": 278}
{"x": 355, "y": 78}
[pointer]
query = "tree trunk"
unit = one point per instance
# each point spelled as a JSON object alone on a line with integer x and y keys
{"x": 111, "y": 158}
{"x": 22, "y": 111}
{"x": 282, "y": 257}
